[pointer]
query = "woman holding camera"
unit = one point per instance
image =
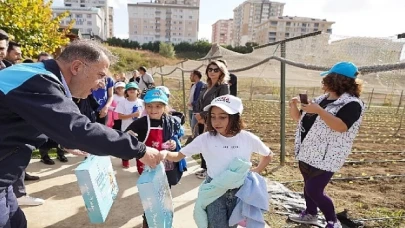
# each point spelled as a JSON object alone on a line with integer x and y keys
{"x": 327, "y": 127}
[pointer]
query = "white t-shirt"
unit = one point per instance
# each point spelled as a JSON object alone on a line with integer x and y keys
{"x": 126, "y": 107}
{"x": 147, "y": 78}
{"x": 219, "y": 151}
{"x": 118, "y": 99}
{"x": 191, "y": 97}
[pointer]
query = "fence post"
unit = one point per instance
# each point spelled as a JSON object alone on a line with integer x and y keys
{"x": 161, "y": 76}
{"x": 293, "y": 93}
{"x": 371, "y": 98}
{"x": 251, "y": 90}
{"x": 282, "y": 105}
{"x": 184, "y": 89}
{"x": 400, "y": 101}
{"x": 313, "y": 92}
{"x": 400, "y": 122}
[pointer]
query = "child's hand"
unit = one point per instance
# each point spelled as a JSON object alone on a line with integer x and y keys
{"x": 136, "y": 114}
{"x": 255, "y": 170}
{"x": 76, "y": 152}
{"x": 170, "y": 145}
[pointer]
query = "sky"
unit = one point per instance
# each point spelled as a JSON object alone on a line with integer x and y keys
{"x": 369, "y": 18}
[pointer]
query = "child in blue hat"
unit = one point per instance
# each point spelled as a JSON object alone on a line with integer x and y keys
{"x": 158, "y": 129}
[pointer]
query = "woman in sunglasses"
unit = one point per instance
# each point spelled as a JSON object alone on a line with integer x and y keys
{"x": 217, "y": 85}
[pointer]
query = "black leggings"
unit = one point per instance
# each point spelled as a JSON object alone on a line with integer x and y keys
{"x": 200, "y": 131}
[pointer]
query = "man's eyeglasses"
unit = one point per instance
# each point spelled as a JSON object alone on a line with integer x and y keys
{"x": 216, "y": 70}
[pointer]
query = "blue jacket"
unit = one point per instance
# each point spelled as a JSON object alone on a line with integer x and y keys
{"x": 198, "y": 87}
{"x": 253, "y": 199}
{"x": 232, "y": 178}
{"x": 33, "y": 101}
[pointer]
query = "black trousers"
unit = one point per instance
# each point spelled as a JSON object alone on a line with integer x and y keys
{"x": 49, "y": 144}
{"x": 102, "y": 121}
{"x": 117, "y": 125}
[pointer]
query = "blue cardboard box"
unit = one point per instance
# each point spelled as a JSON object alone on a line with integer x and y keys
{"x": 98, "y": 186}
{"x": 156, "y": 197}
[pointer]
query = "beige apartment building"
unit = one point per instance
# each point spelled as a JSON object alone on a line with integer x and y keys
{"x": 251, "y": 13}
{"x": 280, "y": 28}
{"x": 166, "y": 21}
{"x": 102, "y": 4}
{"x": 88, "y": 20}
{"x": 222, "y": 32}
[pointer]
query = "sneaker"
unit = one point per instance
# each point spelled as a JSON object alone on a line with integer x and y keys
{"x": 202, "y": 175}
{"x": 304, "y": 218}
{"x": 334, "y": 224}
{"x": 29, "y": 201}
{"x": 125, "y": 164}
{"x": 199, "y": 172}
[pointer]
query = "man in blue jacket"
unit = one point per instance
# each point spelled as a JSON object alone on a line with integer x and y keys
{"x": 198, "y": 85}
{"x": 35, "y": 98}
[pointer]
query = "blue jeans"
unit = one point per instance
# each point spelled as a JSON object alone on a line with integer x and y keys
{"x": 221, "y": 209}
{"x": 11, "y": 215}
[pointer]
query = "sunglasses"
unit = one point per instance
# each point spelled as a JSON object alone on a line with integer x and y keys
{"x": 216, "y": 70}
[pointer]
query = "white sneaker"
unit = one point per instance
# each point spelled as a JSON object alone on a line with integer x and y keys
{"x": 199, "y": 172}
{"x": 304, "y": 218}
{"x": 334, "y": 224}
{"x": 202, "y": 175}
{"x": 29, "y": 201}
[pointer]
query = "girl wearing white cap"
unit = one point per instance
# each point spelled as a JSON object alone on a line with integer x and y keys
{"x": 119, "y": 96}
{"x": 227, "y": 141}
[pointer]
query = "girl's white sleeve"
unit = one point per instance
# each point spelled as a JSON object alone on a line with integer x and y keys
{"x": 120, "y": 108}
{"x": 259, "y": 147}
{"x": 195, "y": 147}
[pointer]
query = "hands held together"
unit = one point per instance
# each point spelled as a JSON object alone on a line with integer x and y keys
{"x": 311, "y": 108}
{"x": 153, "y": 157}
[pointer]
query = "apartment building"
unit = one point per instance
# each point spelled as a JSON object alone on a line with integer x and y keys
{"x": 180, "y": 2}
{"x": 165, "y": 21}
{"x": 251, "y": 13}
{"x": 102, "y": 4}
{"x": 222, "y": 32}
{"x": 89, "y": 21}
{"x": 280, "y": 28}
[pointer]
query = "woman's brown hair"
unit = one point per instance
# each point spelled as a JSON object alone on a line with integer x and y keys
{"x": 341, "y": 84}
{"x": 235, "y": 124}
{"x": 223, "y": 78}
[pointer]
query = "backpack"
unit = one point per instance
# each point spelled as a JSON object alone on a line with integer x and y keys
{"x": 149, "y": 86}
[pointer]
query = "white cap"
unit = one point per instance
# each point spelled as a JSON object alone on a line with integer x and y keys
{"x": 230, "y": 104}
{"x": 164, "y": 89}
{"x": 119, "y": 84}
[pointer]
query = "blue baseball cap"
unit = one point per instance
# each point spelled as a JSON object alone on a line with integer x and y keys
{"x": 347, "y": 69}
{"x": 156, "y": 95}
{"x": 131, "y": 85}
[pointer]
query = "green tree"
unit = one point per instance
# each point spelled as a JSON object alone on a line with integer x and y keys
{"x": 166, "y": 50}
{"x": 31, "y": 23}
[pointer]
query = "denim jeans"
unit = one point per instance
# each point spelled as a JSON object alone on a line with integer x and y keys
{"x": 221, "y": 209}
{"x": 11, "y": 215}
{"x": 193, "y": 124}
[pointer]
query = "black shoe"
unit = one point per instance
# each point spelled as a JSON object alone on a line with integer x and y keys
{"x": 62, "y": 158}
{"x": 144, "y": 223}
{"x": 30, "y": 178}
{"x": 47, "y": 160}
